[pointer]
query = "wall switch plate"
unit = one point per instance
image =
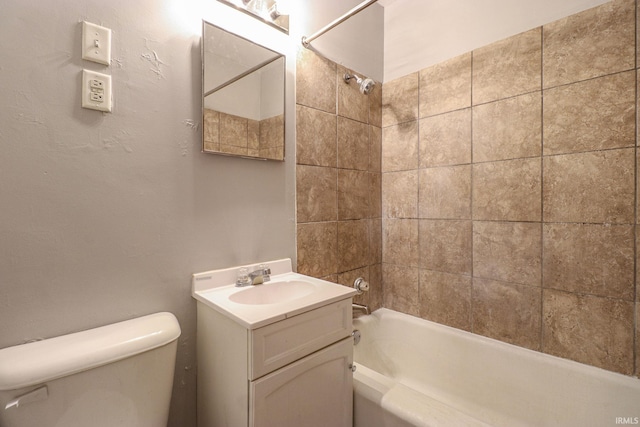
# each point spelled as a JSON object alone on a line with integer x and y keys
{"x": 96, "y": 91}
{"x": 96, "y": 43}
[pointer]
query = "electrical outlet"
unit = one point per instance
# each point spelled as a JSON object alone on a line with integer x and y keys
{"x": 96, "y": 91}
{"x": 96, "y": 43}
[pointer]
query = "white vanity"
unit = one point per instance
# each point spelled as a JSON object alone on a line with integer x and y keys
{"x": 275, "y": 354}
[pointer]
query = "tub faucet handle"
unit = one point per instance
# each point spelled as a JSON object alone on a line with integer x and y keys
{"x": 361, "y": 285}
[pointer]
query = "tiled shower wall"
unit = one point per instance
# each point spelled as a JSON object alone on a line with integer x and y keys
{"x": 509, "y": 190}
{"x": 338, "y": 176}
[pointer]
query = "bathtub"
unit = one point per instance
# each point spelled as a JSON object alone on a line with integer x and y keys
{"x": 412, "y": 372}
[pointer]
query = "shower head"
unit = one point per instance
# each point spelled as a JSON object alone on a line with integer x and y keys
{"x": 365, "y": 85}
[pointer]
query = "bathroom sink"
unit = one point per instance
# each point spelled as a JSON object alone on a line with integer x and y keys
{"x": 273, "y": 292}
{"x": 287, "y": 294}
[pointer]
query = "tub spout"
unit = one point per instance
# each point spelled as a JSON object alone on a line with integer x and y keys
{"x": 361, "y": 308}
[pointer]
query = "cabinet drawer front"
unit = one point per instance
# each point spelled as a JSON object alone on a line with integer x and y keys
{"x": 281, "y": 343}
{"x": 316, "y": 391}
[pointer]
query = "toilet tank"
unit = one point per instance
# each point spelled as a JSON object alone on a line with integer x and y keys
{"x": 116, "y": 375}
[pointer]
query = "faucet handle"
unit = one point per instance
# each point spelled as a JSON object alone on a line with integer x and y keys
{"x": 266, "y": 272}
{"x": 361, "y": 285}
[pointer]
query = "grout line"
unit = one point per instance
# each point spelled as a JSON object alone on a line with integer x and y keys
{"x": 635, "y": 227}
{"x": 541, "y": 324}
{"x": 472, "y": 287}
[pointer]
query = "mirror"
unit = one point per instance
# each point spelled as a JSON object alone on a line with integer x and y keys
{"x": 243, "y": 96}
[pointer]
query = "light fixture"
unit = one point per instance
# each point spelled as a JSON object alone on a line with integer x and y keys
{"x": 272, "y": 12}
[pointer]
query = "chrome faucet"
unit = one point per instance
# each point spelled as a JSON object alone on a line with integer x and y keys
{"x": 261, "y": 275}
{"x": 360, "y": 308}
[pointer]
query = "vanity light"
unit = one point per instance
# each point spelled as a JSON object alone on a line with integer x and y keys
{"x": 271, "y": 12}
{"x": 274, "y": 13}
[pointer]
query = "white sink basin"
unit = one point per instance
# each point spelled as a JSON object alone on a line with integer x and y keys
{"x": 273, "y": 292}
{"x": 287, "y": 294}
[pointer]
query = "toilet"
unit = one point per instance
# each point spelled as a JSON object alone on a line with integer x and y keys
{"x": 115, "y": 375}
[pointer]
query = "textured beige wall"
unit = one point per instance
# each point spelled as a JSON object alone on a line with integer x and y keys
{"x": 509, "y": 189}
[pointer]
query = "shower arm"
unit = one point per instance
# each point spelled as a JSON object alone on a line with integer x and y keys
{"x": 306, "y": 41}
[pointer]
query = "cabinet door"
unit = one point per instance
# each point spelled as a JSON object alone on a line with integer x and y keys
{"x": 316, "y": 391}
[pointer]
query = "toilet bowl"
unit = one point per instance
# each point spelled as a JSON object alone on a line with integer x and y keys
{"x": 115, "y": 375}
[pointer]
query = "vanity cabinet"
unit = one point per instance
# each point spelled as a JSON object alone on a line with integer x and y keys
{"x": 291, "y": 373}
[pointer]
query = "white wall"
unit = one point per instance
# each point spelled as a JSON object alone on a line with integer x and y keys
{"x": 357, "y": 44}
{"x": 105, "y": 216}
{"x": 420, "y": 33}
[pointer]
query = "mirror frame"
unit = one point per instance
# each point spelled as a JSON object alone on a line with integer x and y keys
{"x": 284, "y": 95}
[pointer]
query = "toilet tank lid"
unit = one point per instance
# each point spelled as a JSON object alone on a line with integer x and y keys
{"x": 41, "y": 361}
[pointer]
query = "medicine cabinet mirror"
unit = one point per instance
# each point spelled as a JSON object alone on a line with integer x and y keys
{"x": 243, "y": 100}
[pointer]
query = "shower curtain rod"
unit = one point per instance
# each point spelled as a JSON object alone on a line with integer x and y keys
{"x": 306, "y": 41}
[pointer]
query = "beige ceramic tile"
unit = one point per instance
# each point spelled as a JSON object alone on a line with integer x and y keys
{"x": 275, "y": 153}
{"x": 638, "y": 189}
{"x": 271, "y": 133}
{"x": 446, "y": 86}
{"x": 591, "y": 259}
{"x": 353, "y": 194}
{"x": 315, "y": 81}
{"x": 375, "y": 149}
{"x": 400, "y": 242}
{"x": 592, "y": 43}
{"x": 211, "y": 146}
{"x": 255, "y": 138}
{"x": 508, "y": 67}
{"x": 507, "y": 312}
{"x": 375, "y": 241}
{"x": 353, "y": 144}
{"x": 375, "y": 195}
{"x": 445, "y": 139}
{"x": 351, "y": 103}
{"x": 638, "y": 269}
{"x": 400, "y": 147}
{"x": 316, "y": 142}
{"x": 508, "y": 129}
{"x": 638, "y": 65}
{"x": 233, "y": 130}
{"x": 400, "y": 194}
{"x": 590, "y": 187}
{"x": 318, "y": 249}
{"x": 637, "y": 341}
{"x": 234, "y": 150}
{"x": 316, "y": 189}
{"x": 508, "y": 190}
{"x": 445, "y": 192}
{"x": 211, "y": 128}
{"x": 376, "y": 291}
{"x": 375, "y": 105}
{"x": 589, "y": 329}
{"x": 507, "y": 251}
{"x": 445, "y": 245}
{"x": 591, "y": 115}
{"x": 446, "y": 299}
{"x": 400, "y": 100}
{"x": 401, "y": 288}
{"x": 353, "y": 248}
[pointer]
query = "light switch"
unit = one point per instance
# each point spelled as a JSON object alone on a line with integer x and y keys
{"x": 96, "y": 91}
{"x": 96, "y": 43}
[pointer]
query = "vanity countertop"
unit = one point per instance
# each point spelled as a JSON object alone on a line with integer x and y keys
{"x": 217, "y": 290}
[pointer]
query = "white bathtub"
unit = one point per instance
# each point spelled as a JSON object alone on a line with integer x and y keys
{"x": 412, "y": 372}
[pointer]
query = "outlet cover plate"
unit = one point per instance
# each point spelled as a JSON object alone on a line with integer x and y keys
{"x": 96, "y": 91}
